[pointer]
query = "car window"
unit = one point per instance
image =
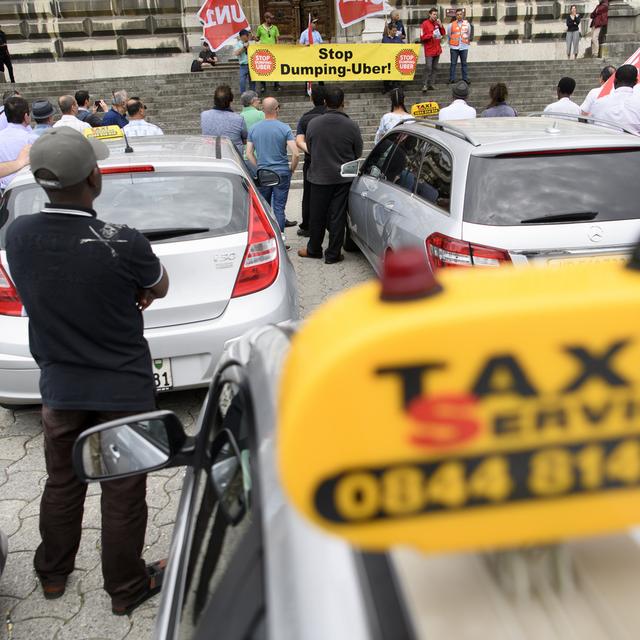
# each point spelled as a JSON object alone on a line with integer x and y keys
{"x": 375, "y": 163}
{"x": 500, "y": 190}
{"x": 218, "y": 548}
{"x": 148, "y": 201}
{"x": 434, "y": 181}
{"x": 403, "y": 166}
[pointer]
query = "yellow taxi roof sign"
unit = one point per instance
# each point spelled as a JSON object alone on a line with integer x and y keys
{"x": 110, "y": 132}
{"x": 425, "y": 109}
{"x": 502, "y": 411}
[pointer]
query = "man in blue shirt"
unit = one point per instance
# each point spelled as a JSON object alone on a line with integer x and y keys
{"x": 222, "y": 120}
{"x": 42, "y": 111}
{"x": 270, "y": 139}
{"x": 317, "y": 38}
{"x": 16, "y": 134}
{"x": 116, "y": 114}
{"x": 243, "y": 61}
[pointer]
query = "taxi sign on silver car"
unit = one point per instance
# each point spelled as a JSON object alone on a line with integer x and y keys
{"x": 497, "y": 410}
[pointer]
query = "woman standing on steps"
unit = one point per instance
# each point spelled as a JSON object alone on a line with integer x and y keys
{"x": 573, "y": 33}
{"x": 397, "y": 114}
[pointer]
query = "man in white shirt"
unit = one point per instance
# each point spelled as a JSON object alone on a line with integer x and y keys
{"x": 592, "y": 96}
{"x": 622, "y": 105}
{"x": 564, "y": 104}
{"x": 458, "y": 109}
{"x": 69, "y": 110}
{"x": 138, "y": 126}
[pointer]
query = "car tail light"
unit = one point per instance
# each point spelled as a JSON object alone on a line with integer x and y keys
{"x": 141, "y": 168}
{"x": 444, "y": 251}
{"x": 10, "y": 304}
{"x": 260, "y": 263}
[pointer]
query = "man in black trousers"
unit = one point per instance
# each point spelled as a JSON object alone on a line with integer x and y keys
{"x": 5, "y": 57}
{"x": 332, "y": 139}
{"x": 84, "y": 283}
{"x": 319, "y": 108}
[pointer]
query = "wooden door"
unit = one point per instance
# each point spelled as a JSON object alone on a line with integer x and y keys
{"x": 321, "y": 9}
{"x": 292, "y": 16}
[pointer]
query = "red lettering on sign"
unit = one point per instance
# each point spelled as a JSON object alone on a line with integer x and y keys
{"x": 406, "y": 62}
{"x": 444, "y": 420}
{"x": 263, "y": 62}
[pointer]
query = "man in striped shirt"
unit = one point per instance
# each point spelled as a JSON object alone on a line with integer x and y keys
{"x": 138, "y": 126}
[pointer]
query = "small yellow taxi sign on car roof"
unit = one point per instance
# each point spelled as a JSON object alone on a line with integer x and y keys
{"x": 111, "y": 132}
{"x": 500, "y": 411}
{"x": 425, "y": 109}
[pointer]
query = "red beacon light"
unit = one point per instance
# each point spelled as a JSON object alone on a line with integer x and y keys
{"x": 406, "y": 276}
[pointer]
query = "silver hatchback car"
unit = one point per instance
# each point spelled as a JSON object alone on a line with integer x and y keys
{"x": 194, "y": 200}
{"x": 494, "y": 191}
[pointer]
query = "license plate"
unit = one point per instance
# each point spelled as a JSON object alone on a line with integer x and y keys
{"x": 563, "y": 262}
{"x": 162, "y": 374}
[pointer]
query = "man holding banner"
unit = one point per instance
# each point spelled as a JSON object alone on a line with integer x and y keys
{"x": 268, "y": 33}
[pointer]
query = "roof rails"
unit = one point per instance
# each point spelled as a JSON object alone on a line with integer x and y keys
{"x": 583, "y": 119}
{"x": 446, "y": 127}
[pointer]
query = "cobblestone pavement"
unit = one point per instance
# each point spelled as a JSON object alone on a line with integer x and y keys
{"x": 84, "y": 612}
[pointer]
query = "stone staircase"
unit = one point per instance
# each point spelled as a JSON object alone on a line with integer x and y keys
{"x": 175, "y": 101}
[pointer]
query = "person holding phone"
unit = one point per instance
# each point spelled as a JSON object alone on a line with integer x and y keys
{"x": 573, "y": 32}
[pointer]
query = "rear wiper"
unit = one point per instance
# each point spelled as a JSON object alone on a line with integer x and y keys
{"x": 562, "y": 217}
{"x": 171, "y": 232}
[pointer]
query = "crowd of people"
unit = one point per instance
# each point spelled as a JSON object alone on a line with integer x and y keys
{"x": 21, "y": 123}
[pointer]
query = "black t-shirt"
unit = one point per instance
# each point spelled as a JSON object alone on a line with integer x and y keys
{"x": 78, "y": 277}
{"x": 303, "y": 123}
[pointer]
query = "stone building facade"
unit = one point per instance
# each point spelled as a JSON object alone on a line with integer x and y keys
{"x": 147, "y": 37}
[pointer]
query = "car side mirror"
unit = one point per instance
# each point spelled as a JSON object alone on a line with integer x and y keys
{"x": 230, "y": 477}
{"x": 267, "y": 178}
{"x": 351, "y": 169}
{"x": 131, "y": 446}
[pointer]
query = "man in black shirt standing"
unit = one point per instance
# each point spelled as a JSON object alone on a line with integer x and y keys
{"x": 332, "y": 139}
{"x": 319, "y": 108}
{"x": 5, "y": 56}
{"x": 84, "y": 283}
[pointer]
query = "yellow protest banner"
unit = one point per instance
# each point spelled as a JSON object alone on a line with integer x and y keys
{"x": 333, "y": 62}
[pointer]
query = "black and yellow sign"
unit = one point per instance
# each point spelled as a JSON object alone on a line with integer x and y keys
{"x": 425, "y": 109}
{"x": 333, "y": 62}
{"x": 110, "y": 132}
{"x": 503, "y": 411}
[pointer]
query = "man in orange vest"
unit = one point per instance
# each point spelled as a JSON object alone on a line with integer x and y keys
{"x": 460, "y": 33}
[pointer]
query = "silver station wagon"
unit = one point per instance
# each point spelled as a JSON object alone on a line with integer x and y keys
{"x": 495, "y": 191}
{"x": 229, "y": 270}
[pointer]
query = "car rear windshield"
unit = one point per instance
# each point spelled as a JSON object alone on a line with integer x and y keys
{"x": 152, "y": 202}
{"x": 510, "y": 189}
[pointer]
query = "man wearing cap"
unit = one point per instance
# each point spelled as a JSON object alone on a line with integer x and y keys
{"x": 69, "y": 110}
{"x": 304, "y": 36}
{"x": 42, "y": 111}
{"x": 16, "y": 134}
{"x": 458, "y": 109}
{"x": 84, "y": 284}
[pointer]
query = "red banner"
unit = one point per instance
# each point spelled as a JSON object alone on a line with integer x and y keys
{"x": 607, "y": 87}
{"x": 221, "y": 21}
{"x": 352, "y": 11}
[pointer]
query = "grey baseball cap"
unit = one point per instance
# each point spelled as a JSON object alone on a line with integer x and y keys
{"x": 67, "y": 154}
{"x": 460, "y": 89}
